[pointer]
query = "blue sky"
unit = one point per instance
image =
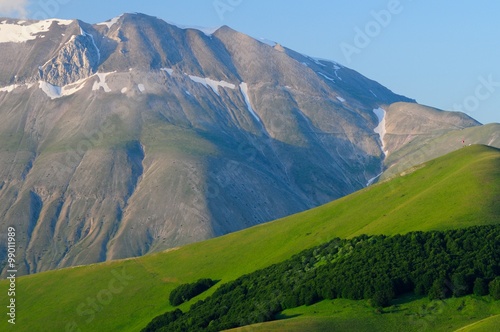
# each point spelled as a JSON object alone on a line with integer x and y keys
{"x": 442, "y": 53}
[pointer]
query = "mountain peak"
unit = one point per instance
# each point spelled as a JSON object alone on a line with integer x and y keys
{"x": 135, "y": 135}
{"x": 111, "y": 22}
{"x": 140, "y": 17}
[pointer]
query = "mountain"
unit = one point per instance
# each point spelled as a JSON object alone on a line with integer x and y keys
{"x": 134, "y": 135}
{"x": 458, "y": 190}
{"x": 415, "y": 133}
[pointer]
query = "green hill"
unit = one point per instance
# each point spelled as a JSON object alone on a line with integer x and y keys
{"x": 458, "y": 190}
{"x": 412, "y": 314}
{"x": 485, "y": 325}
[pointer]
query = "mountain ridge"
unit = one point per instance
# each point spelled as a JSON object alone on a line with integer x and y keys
{"x": 136, "y": 136}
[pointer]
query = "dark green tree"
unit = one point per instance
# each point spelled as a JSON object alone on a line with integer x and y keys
{"x": 439, "y": 290}
{"x": 377, "y": 268}
{"x": 381, "y": 298}
{"x": 495, "y": 288}
{"x": 186, "y": 292}
{"x": 480, "y": 287}
{"x": 459, "y": 285}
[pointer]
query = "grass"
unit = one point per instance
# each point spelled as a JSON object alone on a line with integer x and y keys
{"x": 457, "y": 190}
{"x": 409, "y": 314}
{"x": 485, "y": 325}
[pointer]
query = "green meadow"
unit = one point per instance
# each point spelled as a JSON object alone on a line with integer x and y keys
{"x": 408, "y": 314}
{"x": 454, "y": 191}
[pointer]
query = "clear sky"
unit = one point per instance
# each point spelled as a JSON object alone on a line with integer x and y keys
{"x": 444, "y": 54}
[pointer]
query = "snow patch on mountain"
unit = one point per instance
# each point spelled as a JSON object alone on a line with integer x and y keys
{"x": 93, "y": 43}
{"x": 244, "y": 91}
{"x": 327, "y": 64}
{"x": 169, "y": 71}
{"x": 9, "y": 88}
{"x": 327, "y": 77}
{"x": 214, "y": 85}
{"x": 55, "y": 92}
{"x": 380, "y": 129}
{"x": 317, "y": 60}
{"x": 268, "y": 42}
{"x": 102, "y": 83}
{"x": 110, "y": 23}
{"x": 370, "y": 182}
{"x": 52, "y": 91}
{"x": 337, "y": 74}
{"x": 207, "y": 31}
{"x": 18, "y": 33}
{"x": 70, "y": 89}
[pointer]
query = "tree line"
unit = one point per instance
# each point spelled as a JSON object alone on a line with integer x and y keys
{"x": 377, "y": 268}
{"x": 186, "y": 292}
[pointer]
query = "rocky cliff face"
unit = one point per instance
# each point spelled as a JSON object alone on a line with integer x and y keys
{"x": 77, "y": 59}
{"x": 133, "y": 136}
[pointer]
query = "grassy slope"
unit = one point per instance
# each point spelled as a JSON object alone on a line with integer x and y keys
{"x": 457, "y": 190}
{"x": 410, "y": 314}
{"x": 485, "y": 325}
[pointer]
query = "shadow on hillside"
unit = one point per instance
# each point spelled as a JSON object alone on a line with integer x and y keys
{"x": 406, "y": 298}
{"x": 284, "y": 317}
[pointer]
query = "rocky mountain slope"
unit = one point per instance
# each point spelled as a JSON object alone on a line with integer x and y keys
{"x": 134, "y": 135}
{"x": 416, "y": 133}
